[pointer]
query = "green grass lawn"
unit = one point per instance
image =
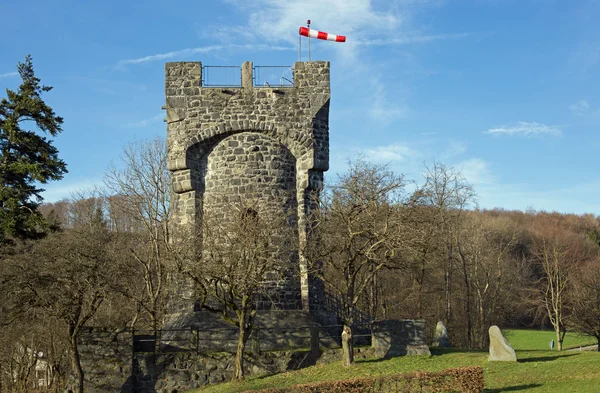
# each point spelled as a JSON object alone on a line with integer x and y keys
{"x": 532, "y": 340}
{"x": 538, "y": 370}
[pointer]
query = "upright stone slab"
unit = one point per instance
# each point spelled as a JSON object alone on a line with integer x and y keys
{"x": 248, "y": 144}
{"x": 440, "y": 337}
{"x": 500, "y": 348}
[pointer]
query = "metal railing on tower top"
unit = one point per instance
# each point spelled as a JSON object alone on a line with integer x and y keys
{"x": 262, "y": 76}
{"x": 273, "y": 76}
{"x": 222, "y": 76}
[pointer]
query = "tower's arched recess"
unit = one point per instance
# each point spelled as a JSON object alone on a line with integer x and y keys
{"x": 249, "y": 143}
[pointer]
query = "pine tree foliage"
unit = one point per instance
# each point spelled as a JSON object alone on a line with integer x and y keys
{"x": 27, "y": 157}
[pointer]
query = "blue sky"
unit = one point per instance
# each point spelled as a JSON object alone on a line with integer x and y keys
{"x": 505, "y": 90}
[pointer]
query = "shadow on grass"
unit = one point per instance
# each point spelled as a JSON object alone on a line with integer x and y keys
{"x": 513, "y": 388}
{"x": 437, "y": 351}
{"x": 545, "y": 358}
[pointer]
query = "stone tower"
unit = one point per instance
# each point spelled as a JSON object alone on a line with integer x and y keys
{"x": 249, "y": 142}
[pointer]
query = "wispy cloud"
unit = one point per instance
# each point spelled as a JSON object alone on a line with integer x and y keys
{"x": 185, "y": 53}
{"x": 580, "y": 108}
{"x": 586, "y": 57}
{"x": 363, "y": 22}
{"x": 66, "y": 189}
{"x": 476, "y": 171}
{"x": 384, "y": 112}
{"x": 146, "y": 122}
{"x": 391, "y": 153}
{"x": 523, "y": 128}
{"x": 274, "y": 20}
{"x": 568, "y": 198}
{"x": 454, "y": 149}
{"x": 9, "y": 74}
{"x": 410, "y": 39}
{"x": 382, "y": 109}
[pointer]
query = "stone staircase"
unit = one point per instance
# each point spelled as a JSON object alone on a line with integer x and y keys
{"x": 330, "y": 317}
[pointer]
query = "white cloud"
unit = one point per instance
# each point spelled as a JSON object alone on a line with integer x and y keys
{"x": 453, "y": 149}
{"x": 363, "y": 22}
{"x": 185, "y": 53}
{"x": 523, "y": 128}
{"x": 276, "y": 20}
{"x": 65, "y": 189}
{"x": 476, "y": 171}
{"x": 384, "y": 110}
{"x": 9, "y": 74}
{"x": 146, "y": 122}
{"x": 410, "y": 39}
{"x": 572, "y": 198}
{"x": 580, "y": 107}
{"x": 391, "y": 153}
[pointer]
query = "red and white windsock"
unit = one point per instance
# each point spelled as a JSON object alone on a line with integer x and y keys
{"x": 307, "y": 32}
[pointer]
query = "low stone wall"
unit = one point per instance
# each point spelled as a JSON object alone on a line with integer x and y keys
{"x": 274, "y": 331}
{"x": 167, "y": 373}
{"x": 106, "y": 359}
{"x": 112, "y": 364}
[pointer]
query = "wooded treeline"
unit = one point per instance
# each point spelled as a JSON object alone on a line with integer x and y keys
{"x": 428, "y": 253}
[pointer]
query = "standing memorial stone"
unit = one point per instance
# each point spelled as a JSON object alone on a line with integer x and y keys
{"x": 500, "y": 349}
{"x": 440, "y": 337}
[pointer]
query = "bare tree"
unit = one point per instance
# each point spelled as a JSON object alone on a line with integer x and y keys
{"x": 359, "y": 230}
{"x": 27, "y": 346}
{"x": 139, "y": 192}
{"x": 448, "y": 194}
{"x": 558, "y": 252}
{"x": 485, "y": 247}
{"x": 65, "y": 277}
{"x": 229, "y": 260}
{"x": 585, "y": 300}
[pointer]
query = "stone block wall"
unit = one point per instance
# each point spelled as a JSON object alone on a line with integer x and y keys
{"x": 108, "y": 371}
{"x": 399, "y": 337}
{"x": 111, "y": 363}
{"x": 106, "y": 359}
{"x": 249, "y": 145}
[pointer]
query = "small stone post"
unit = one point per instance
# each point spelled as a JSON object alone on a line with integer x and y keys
{"x": 315, "y": 345}
{"x": 247, "y": 76}
{"x": 255, "y": 345}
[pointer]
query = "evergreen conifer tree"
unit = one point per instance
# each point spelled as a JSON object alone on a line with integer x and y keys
{"x": 27, "y": 157}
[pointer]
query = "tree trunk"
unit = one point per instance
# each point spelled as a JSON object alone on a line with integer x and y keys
{"x": 468, "y": 300}
{"x": 241, "y": 346}
{"x": 76, "y": 360}
{"x": 448, "y": 279}
{"x": 598, "y": 343}
{"x": 347, "y": 346}
{"x": 482, "y": 324}
{"x": 373, "y": 301}
{"x": 559, "y": 339}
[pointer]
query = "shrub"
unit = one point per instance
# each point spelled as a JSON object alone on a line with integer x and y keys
{"x": 454, "y": 380}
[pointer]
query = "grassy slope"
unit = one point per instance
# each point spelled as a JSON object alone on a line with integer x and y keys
{"x": 531, "y": 340}
{"x": 538, "y": 370}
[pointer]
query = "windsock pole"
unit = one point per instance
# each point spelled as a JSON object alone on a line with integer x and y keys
{"x": 308, "y": 25}
{"x": 307, "y": 32}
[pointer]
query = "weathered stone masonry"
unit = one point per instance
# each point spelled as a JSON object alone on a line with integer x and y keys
{"x": 246, "y": 145}
{"x": 240, "y": 145}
